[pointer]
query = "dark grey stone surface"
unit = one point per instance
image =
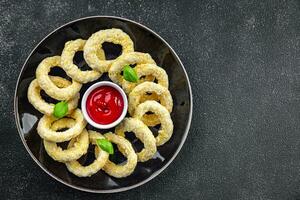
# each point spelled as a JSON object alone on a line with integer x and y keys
{"x": 243, "y": 60}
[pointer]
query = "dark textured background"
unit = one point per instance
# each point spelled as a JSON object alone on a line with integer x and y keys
{"x": 243, "y": 60}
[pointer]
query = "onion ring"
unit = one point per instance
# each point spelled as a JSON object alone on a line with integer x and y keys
{"x": 101, "y": 158}
{"x": 116, "y": 68}
{"x": 71, "y": 47}
{"x": 73, "y": 152}
{"x": 147, "y": 97}
{"x": 146, "y": 70}
{"x": 116, "y": 36}
{"x": 48, "y": 86}
{"x": 135, "y": 97}
{"x": 45, "y": 131}
{"x": 127, "y": 150}
{"x": 143, "y": 133}
{"x": 149, "y": 120}
{"x": 34, "y": 96}
{"x": 166, "y": 130}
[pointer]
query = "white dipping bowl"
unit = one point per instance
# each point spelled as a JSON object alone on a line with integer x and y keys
{"x": 87, "y": 93}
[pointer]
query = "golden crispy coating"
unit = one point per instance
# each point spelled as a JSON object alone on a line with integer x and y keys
{"x": 127, "y": 150}
{"x": 48, "y": 86}
{"x": 147, "y": 70}
{"x": 34, "y": 96}
{"x": 149, "y": 120}
{"x": 45, "y": 131}
{"x": 143, "y": 133}
{"x": 132, "y": 58}
{"x": 71, "y": 47}
{"x": 146, "y": 97}
{"x": 166, "y": 130}
{"x": 73, "y": 152}
{"x": 101, "y": 158}
{"x": 94, "y": 43}
{"x": 138, "y": 94}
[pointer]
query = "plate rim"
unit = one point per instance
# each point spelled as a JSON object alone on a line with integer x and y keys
{"x": 152, "y": 176}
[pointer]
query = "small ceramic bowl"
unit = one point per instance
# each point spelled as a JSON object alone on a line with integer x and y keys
{"x": 88, "y": 92}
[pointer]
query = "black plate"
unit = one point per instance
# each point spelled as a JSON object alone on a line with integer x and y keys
{"x": 145, "y": 40}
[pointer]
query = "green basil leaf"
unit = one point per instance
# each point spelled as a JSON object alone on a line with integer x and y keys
{"x": 60, "y": 109}
{"x": 129, "y": 74}
{"x": 105, "y": 145}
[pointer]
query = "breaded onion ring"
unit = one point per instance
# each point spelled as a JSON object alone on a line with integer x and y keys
{"x": 71, "y": 47}
{"x": 127, "y": 150}
{"x": 132, "y": 58}
{"x": 166, "y": 130}
{"x": 147, "y": 97}
{"x": 45, "y": 131}
{"x": 94, "y": 43}
{"x": 143, "y": 133}
{"x": 34, "y": 96}
{"x": 101, "y": 158}
{"x": 135, "y": 98}
{"x": 48, "y": 86}
{"x": 73, "y": 152}
{"x": 147, "y": 70}
{"x": 149, "y": 120}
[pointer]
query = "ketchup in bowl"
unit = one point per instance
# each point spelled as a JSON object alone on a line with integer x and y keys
{"x": 104, "y": 105}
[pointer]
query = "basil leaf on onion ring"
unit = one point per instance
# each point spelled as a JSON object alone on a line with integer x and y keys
{"x": 105, "y": 145}
{"x": 60, "y": 109}
{"x": 129, "y": 74}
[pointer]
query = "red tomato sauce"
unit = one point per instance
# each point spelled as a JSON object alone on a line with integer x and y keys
{"x": 104, "y": 105}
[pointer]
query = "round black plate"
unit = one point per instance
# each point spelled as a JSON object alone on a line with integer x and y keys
{"x": 145, "y": 40}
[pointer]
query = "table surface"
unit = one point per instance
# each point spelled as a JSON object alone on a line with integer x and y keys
{"x": 243, "y": 61}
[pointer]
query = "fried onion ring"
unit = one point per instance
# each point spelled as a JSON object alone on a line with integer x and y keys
{"x": 132, "y": 58}
{"x": 48, "y": 86}
{"x": 143, "y": 133}
{"x": 149, "y": 120}
{"x": 147, "y": 97}
{"x": 71, "y": 47}
{"x": 146, "y": 70}
{"x": 73, "y": 152}
{"x": 34, "y": 96}
{"x": 45, "y": 131}
{"x": 166, "y": 130}
{"x": 127, "y": 150}
{"x": 116, "y": 36}
{"x": 135, "y": 97}
{"x": 101, "y": 158}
